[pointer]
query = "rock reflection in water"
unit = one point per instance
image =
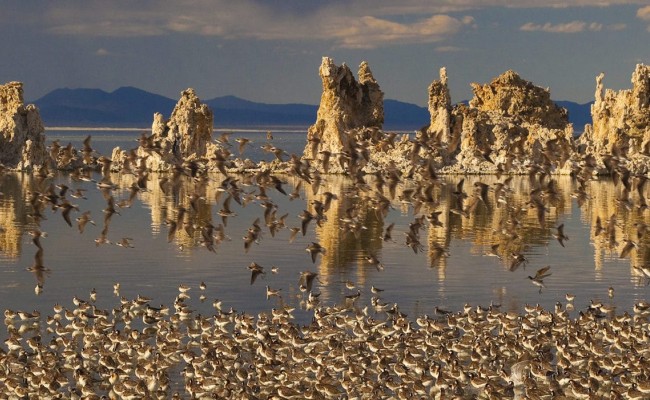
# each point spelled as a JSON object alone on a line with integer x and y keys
{"x": 505, "y": 224}
{"x": 13, "y": 216}
{"x": 352, "y": 228}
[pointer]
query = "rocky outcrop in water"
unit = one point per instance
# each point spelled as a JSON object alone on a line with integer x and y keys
{"x": 185, "y": 137}
{"x": 345, "y": 105}
{"x": 509, "y": 126}
{"x": 440, "y": 125}
{"x": 621, "y": 123}
{"x": 22, "y": 139}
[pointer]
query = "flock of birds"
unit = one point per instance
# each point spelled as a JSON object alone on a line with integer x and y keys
{"x": 134, "y": 350}
{"x": 139, "y": 351}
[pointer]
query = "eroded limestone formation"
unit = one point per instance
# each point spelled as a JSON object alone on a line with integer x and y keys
{"x": 22, "y": 139}
{"x": 440, "y": 110}
{"x": 509, "y": 126}
{"x": 621, "y": 122}
{"x": 185, "y": 137}
{"x": 345, "y": 105}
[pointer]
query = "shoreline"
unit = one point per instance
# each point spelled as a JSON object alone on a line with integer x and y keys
{"x": 220, "y": 129}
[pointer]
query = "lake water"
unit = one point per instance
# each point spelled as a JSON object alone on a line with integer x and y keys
{"x": 417, "y": 282}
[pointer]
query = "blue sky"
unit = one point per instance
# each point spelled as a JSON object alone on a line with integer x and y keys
{"x": 270, "y": 51}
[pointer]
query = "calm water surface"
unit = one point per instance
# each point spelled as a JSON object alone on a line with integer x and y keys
{"x": 417, "y": 282}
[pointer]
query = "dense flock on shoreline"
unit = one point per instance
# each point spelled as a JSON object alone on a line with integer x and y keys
{"x": 138, "y": 351}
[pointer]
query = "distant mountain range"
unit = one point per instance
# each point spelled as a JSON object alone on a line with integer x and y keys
{"x": 579, "y": 114}
{"x": 133, "y": 107}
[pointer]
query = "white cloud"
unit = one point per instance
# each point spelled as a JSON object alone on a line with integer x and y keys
{"x": 353, "y": 25}
{"x": 448, "y": 49}
{"x": 617, "y": 27}
{"x": 569, "y": 27}
{"x": 391, "y": 7}
{"x": 102, "y": 52}
{"x": 643, "y": 13}
{"x": 371, "y": 32}
{"x": 595, "y": 27}
{"x": 350, "y": 24}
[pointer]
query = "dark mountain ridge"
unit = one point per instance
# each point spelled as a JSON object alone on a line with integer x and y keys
{"x": 133, "y": 107}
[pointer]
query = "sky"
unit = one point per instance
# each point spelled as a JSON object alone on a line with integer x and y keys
{"x": 270, "y": 50}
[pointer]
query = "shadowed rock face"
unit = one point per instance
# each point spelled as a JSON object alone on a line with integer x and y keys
{"x": 345, "y": 105}
{"x": 22, "y": 142}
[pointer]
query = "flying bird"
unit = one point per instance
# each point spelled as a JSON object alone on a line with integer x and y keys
{"x": 307, "y": 279}
{"x": 494, "y": 251}
{"x": 38, "y": 269}
{"x": 256, "y": 270}
{"x": 67, "y": 208}
{"x": 294, "y": 232}
{"x": 373, "y": 260}
{"x": 306, "y": 218}
{"x": 627, "y": 249}
{"x": 538, "y": 279}
{"x": 313, "y": 249}
{"x": 388, "y": 232}
{"x": 437, "y": 252}
{"x": 225, "y": 211}
{"x": 560, "y": 236}
{"x": 83, "y": 220}
{"x": 242, "y": 144}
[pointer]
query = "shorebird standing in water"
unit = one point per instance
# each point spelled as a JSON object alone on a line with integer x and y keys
{"x": 376, "y": 290}
{"x": 272, "y": 292}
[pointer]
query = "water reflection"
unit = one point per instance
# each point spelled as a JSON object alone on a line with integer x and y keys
{"x": 350, "y": 230}
{"x": 443, "y": 241}
{"x": 615, "y": 223}
{"x": 12, "y": 214}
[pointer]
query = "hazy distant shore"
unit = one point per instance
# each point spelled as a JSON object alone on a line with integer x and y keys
{"x": 221, "y": 129}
